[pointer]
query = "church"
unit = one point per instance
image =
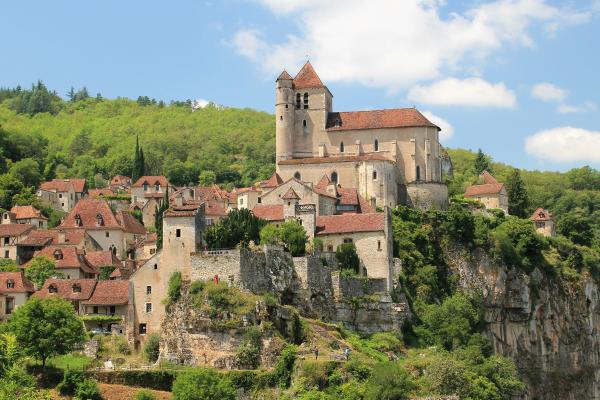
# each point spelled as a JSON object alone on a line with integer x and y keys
{"x": 390, "y": 156}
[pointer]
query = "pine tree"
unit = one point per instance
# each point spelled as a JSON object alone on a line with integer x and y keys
{"x": 518, "y": 199}
{"x": 71, "y": 94}
{"x": 142, "y": 166}
{"x": 482, "y": 163}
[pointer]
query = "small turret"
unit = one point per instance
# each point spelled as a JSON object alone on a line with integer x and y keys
{"x": 284, "y": 114}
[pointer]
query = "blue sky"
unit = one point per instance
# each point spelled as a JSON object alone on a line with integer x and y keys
{"x": 518, "y": 78}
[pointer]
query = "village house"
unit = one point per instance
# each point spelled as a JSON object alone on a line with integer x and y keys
{"x": 11, "y": 234}
{"x": 217, "y": 202}
{"x": 38, "y": 239}
{"x": 30, "y": 215}
{"x": 15, "y": 289}
{"x": 147, "y": 193}
{"x": 70, "y": 262}
{"x": 491, "y": 193}
{"x": 544, "y": 223}
{"x": 68, "y": 193}
{"x": 120, "y": 183}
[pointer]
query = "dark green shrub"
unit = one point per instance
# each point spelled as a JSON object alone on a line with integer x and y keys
{"x": 282, "y": 373}
{"x": 70, "y": 381}
{"x": 144, "y": 394}
{"x": 197, "y": 287}
{"x": 239, "y": 226}
{"x": 152, "y": 347}
{"x": 294, "y": 237}
{"x": 389, "y": 381}
{"x": 88, "y": 390}
{"x": 248, "y": 352}
{"x": 204, "y": 384}
{"x": 174, "y": 289}
{"x": 152, "y": 379}
{"x": 347, "y": 258}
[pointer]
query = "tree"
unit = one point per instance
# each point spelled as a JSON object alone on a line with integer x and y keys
{"x": 105, "y": 272}
{"x": 389, "y": 381}
{"x": 8, "y": 265}
{"x": 158, "y": 220}
{"x": 482, "y": 163}
{"x": 46, "y": 328}
{"x": 270, "y": 234}
{"x": 139, "y": 167}
{"x": 204, "y": 384}
{"x": 9, "y": 187}
{"x": 27, "y": 171}
{"x": 39, "y": 269}
{"x": 294, "y": 237}
{"x": 207, "y": 178}
{"x": 576, "y": 227}
{"x": 347, "y": 258}
{"x": 518, "y": 199}
{"x": 240, "y": 226}
{"x": 152, "y": 347}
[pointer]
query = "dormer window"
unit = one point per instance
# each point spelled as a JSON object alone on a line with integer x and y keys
{"x": 298, "y": 99}
{"x": 58, "y": 255}
{"x": 99, "y": 220}
{"x": 78, "y": 220}
{"x": 305, "y": 101}
{"x": 145, "y": 186}
{"x": 76, "y": 288}
{"x": 297, "y": 175}
{"x": 157, "y": 187}
{"x": 10, "y": 284}
{"x": 52, "y": 289}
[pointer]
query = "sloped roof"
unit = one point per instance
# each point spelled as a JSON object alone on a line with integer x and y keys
{"x": 78, "y": 185}
{"x": 350, "y": 223}
{"x": 284, "y": 76}
{"x": 348, "y": 196}
{"x": 269, "y": 212}
{"x": 541, "y": 215}
{"x": 323, "y": 183}
{"x": 290, "y": 195}
{"x": 307, "y": 78}
{"x": 185, "y": 210}
{"x": 20, "y": 283}
{"x": 26, "y": 212}
{"x": 377, "y": 119}
{"x": 50, "y": 236}
{"x": 71, "y": 257}
{"x": 63, "y": 185}
{"x": 102, "y": 258}
{"x": 64, "y": 289}
{"x": 274, "y": 181}
{"x": 130, "y": 224}
{"x": 120, "y": 180}
{"x": 336, "y": 159}
{"x": 152, "y": 180}
{"x": 14, "y": 229}
{"x": 490, "y": 186}
{"x": 488, "y": 178}
{"x": 110, "y": 292}
{"x": 96, "y": 193}
{"x": 88, "y": 209}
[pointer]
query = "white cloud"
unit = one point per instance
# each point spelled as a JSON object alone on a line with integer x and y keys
{"x": 396, "y": 44}
{"x": 470, "y": 92}
{"x": 565, "y": 144}
{"x": 548, "y": 92}
{"x": 447, "y": 130}
{"x": 572, "y": 109}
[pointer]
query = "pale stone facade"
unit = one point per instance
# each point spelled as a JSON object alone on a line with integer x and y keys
{"x": 544, "y": 223}
{"x": 491, "y": 193}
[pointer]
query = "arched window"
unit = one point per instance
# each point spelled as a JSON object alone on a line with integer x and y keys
{"x": 298, "y": 99}
{"x": 374, "y": 175}
{"x": 305, "y": 101}
{"x": 418, "y": 173}
{"x": 297, "y": 175}
{"x": 341, "y": 147}
{"x": 376, "y": 145}
{"x": 58, "y": 255}
{"x": 157, "y": 186}
{"x": 304, "y": 123}
{"x": 10, "y": 284}
{"x": 52, "y": 289}
{"x": 334, "y": 177}
{"x": 78, "y": 220}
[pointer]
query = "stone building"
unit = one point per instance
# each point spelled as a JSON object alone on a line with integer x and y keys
{"x": 69, "y": 261}
{"x": 147, "y": 193}
{"x": 11, "y": 234}
{"x": 544, "y": 223}
{"x": 68, "y": 193}
{"x": 390, "y": 156}
{"x": 29, "y": 215}
{"x": 491, "y": 193}
{"x": 15, "y": 289}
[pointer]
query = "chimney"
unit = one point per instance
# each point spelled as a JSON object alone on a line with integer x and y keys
{"x": 61, "y": 237}
{"x": 179, "y": 200}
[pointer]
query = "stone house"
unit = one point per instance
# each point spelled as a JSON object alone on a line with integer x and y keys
{"x": 15, "y": 289}
{"x": 544, "y": 223}
{"x": 146, "y": 247}
{"x": 109, "y": 298}
{"x": 69, "y": 260}
{"x": 391, "y": 156}
{"x": 68, "y": 192}
{"x": 11, "y": 234}
{"x": 491, "y": 193}
{"x": 217, "y": 202}
{"x": 246, "y": 197}
{"x": 30, "y": 215}
{"x": 38, "y": 239}
{"x": 74, "y": 290}
{"x": 120, "y": 183}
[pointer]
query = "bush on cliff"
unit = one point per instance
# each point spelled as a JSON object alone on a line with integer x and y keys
{"x": 240, "y": 226}
{"x": 152, "y": 347}
{"x": 203, "y": 384}
{"x": 291, "y": 234}
{"x": 174, "y": 287}
{"x": 347, "y": 258}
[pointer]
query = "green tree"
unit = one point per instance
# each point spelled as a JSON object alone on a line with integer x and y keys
{"x": 144, "y": 394}
{"x": 389, "y": 381}
{"x": 158, "y": 220}
{"x": 207, "y": 178}
{"x": 294, "y": 237}
{"x": 347, "y": 258}
{"x": 27, "y": 171}
{"x": 174, "y": 287}
{"x": 139, "y": 164}
{"x": 8, "y": 265}
{"x": 9, "y": 187}
{"x": 46, "y": 328}
{"x": 152, "y": 347}
{"x": 576, "y": 227}
{"x": 105, "y": 272}
{"x": 240, "y": 226}
{"x": 270, "y": 234}
{"x": 518, "y": 199}
{"x": 39, "y": 269}
{"x": 204, "y": 384}
{"x": 482, "y": 163}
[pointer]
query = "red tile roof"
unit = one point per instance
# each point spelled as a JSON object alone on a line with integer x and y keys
{"x": 541, "y": 215}
{"x": 377, "y": 119}
{"x": 284, "y": 75}
{"x": 64, "y": 289}
{"x": 111, "y": 292}
{"x": 130, "y": 224}
{"x": 274, "y": 181}
{"x": 71, "y": 257}
{"x": 185, "y": 210}
{"x": 336, "y": 159}
{"x": 44, "y": 237}
{"x": 152, "y": 180}
{"x": 88, "y": 210}
{"x": 96, "y": 193}
{"x": 348, "y": 196}
{"x": 490, "y": 186}
{"x": 102, "y": 258}
{"x": 63, "y": 185}
{"x": 488, "y": 178}
{"x": 350, "y": 223}
{"x": 323, "y": 183}
{"x": 26, "y": 212}
{"x": 78, "y": 185}
{"x": 307, "y": 78}
{"x": 20, "y": 284}
{"x": 290, "y": 195}
{"x": 120, "y": 180}
{"x": 14, "y": 229}
{"x": 269, "y": 212}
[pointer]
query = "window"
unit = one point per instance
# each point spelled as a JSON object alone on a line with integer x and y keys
{"x": 259, "y": 200}
{"x": 99, "y": 220}
{"x": 148, "y": 307}
{"x": 155, "y": 266}
{"x": 281, "y": 117}
{"x": 208, "y": 221}
{"x": 107, "y": 234}
{"x": 10, "y": 284}
{"x": 76, "y": 288}
{"x": 10, "y": 305}
{"x": 60, "y": 195}
{"x": 178, "y": 232}
{"x": 78, "y": 221}
{"x": 305, "y": 101}
{"x": 334, "y": 177}
{"x": 347, "y": 240}
{"x": 329, "y": 248}
{"x": 142, "y": 329}
{"x": 157, "y": 187}
{"x": 112, "y": 309}
{"x": 95, "y": 310}
{"x": 6, "y": 241}
{"x": 145, "y": 186}
{"x": 148, "y": 289}
{"x": 418, "y": 173}
{"x": 58, "y": 255}
{"x": 374, "y": 175}
{"x": 152, "y": 251}
{"x": 52, "y": 289}
{"x": 40, "y": 224}
{"x": 376, "y": 145}
{"x": 341, "y": 147}
{"x": 6, "y": 254}
{"x": 298, "y": 101}
{"x": 379, "y": 245}
{"x": 304, "y": 123}
{"x": 62, "y": 204}
{"x": 241, "y": 200}
{"x": 297, "y": 175}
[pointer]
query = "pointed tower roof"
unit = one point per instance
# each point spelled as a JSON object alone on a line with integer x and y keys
{"x": 290, "y": 195}
{"x": 307, "y": 78}
{"x": 284, "y": 76}
{"x": 488, "y": 178}
{"x": 323, "y": 183}
{"x": 274, "y": 181}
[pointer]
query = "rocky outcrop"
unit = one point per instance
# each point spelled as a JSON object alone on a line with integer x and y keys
{"x": 547, "y": 325}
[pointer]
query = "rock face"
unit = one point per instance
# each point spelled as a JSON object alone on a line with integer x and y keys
{"x": 547, "y": 325}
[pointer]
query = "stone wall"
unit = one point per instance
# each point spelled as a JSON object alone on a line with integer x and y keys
{"x": 427, "y": 195}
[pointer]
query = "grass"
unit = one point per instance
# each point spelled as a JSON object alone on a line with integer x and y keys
{"x": 69, "y": 361}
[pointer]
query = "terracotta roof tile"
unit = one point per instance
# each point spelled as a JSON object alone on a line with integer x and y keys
{"x": 102, "y": 258}
{"x": 88, "y": 210}
{"x": 51, "y": 236}
{"x": 541, "y": 215}
{"x": 130, "y": 224}
{"x": 14, "y": 229}
{"x": 65, "y": 256}
{"x": 111, "y": 292}
{"x": 269, "y": 212}
{"x": 290, "y": 195}
{"x": 350, "y": 223}
{"x": 97, "y": 193}
{"x": 274, "y": 181}
{"x": 120, "y": 180}
{"x": 307, "y": 78}
{"x": 376, "y": 119}
{"x": 323, "y": 183}
{"x": 284, "y": 76}
{"x": 152, "y": 180}
{"x": 65, "y": 288}
{"x": 348, "y": 196}
{"x": 487, "y": 188}
{"x": 336, "y": 159}
{"x": 26, "y": 212}
{"x": 57, "y": 185}
{"x": 78, "y": 185}
{"x": 20, "y": 284}
{"x": 185, "y": 210}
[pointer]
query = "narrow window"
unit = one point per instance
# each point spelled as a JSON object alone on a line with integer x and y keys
{"x": 112, "y": 310}
{"x": 305, "y": 101}
{"x": 142, "y": 329}
{"x": 178, "y": 232}
{"x": 6, "y": 254}
{"x": 341, "y": 147}
{"x": 376, "y": 145}
{"x": 6, "y": 241}
{"x": 334, "y": 177}
{"x": 304, "y": 123}
{"x": 148, "y": 307}
{"x": 95, "y": 310}
{"x": 418, "y": 173}
{"x": 259, "y": 200}
{"x": 155, "y": 266}
{"x": 379, "y": 245}
{"x": 347, "y": 240}
{"x": 374, "y": 175}
{"x": 281, "y": 117}
{"x": 157, "y": 187}
{"x": 145, "y": 186}
{"x": 78, "y": 221}
{"x": 148, "y": 289}
{"x": 329, "y": 248}
{"x": 107, "y": 234}
{"x": 298, "y": 100}
{"x": 10, "y": 284}
{"x": 297, "y": 175}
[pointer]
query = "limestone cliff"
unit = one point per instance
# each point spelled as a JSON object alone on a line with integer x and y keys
{"x": 547, "y": 324}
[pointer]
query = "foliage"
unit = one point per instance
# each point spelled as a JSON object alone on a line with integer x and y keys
{"x": 207, "y": 178}
{"x": 152, "y": 347}
{"x": 482, "y": 163}
{"x": 576, "y": 227}
{"x": 239, "y": 226}
{"x": 282, "y": 373}
{"x": 46, "y": 328}
{"x": 70, "y": 381}
{"x": 518, "y": 199}
{"x": 516, "y": 243}
{"x": 158, "y": 221}
{"x": 291, "y": 234}
{"x": 203, "y": 384}
{"x": 389, "y": 381}
{"x": 248, "y": 352}
{"x": 174, "y": 288}
{"x": 101, "y": 318}
{"x": 347, "y": 258}
{"x": 144, "y": 394}
{"x": 270, "y": 234}
{"x": 105, "y": 272}
{"x": 87, "y": 390}
{"x": 39, "y": 269}
{"x": 8, "y": 265}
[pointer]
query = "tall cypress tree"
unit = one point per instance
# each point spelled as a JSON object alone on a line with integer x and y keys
{"x": 482, "y": 163}
{"x": 518, "y": 199}
{"x": 135, "y": 173}
{"x": 142, "y": 166}
{"x": 158, "y": 221}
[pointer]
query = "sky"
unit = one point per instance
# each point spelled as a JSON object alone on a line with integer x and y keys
{"x": 516, "y": 78}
